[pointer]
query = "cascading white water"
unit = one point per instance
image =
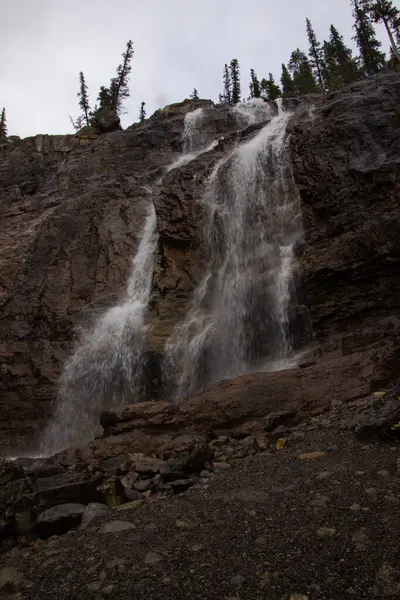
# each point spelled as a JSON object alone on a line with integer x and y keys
{"x": 106, "y": 368}
{"x": 194, "y": 140}
{"x": 253, "y": 111}
{"x": 239, "y": 312}
{"x": 193, "y": 136}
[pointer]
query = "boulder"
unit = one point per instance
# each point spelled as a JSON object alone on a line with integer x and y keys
{"x": 381, "y": 419}
{"x": 117, "y": 527}
{"x": 59, "y": 519}
{"x": 14, "y": 486}
{"x": 66, "y": 488}
{"x": 106, "y": 120}
{"x": 91, "y": 512}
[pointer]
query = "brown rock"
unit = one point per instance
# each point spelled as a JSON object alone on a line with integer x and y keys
{"x": 311, "y": 455}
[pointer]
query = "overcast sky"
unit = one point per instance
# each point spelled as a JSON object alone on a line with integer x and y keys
{"x": 179, "y": 45}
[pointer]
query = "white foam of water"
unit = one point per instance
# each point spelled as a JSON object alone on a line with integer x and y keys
{"x": 184, "y": 159}
{"x": 106, "y": 367}
{"x": 253, "y": 111}
{"x": 240, "y": 308}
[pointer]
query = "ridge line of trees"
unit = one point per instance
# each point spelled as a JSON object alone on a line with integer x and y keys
{"x": 327, "y": 66}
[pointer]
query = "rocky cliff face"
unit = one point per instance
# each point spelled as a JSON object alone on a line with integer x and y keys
{"x": 72, "y": 216}
{"x": 347, "y": 166}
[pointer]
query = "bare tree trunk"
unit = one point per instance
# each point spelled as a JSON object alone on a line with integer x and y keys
{"x": 391, "y": 38}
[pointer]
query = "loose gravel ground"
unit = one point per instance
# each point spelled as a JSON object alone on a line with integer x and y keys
{"x": 273, "y": 526}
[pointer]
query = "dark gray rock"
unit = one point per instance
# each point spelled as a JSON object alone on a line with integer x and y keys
{"x": 13, "y": 484}
{"x": 91, "y": 512}
{"x": 143, "y": 485}
{"x": 346, "y": 159}
{"x": 59, "y": 519}
{"x": 66, "y": 488}
{"x": 152, "y": 466}
{"x": 380, "y": 419}
{"x": 179, "y": 485}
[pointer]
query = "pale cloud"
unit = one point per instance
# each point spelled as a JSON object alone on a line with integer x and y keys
{"x": 179, "y": 45}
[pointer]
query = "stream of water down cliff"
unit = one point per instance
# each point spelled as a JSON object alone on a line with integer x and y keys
{"x": 238, "y": 319}
{"x": 239, "y": 312}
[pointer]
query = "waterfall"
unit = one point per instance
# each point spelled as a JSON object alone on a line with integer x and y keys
{"x": 194, "y": 140}
{"x": 239, "y": 313}
{"x": 253, "y": 111}
{"x": 193, "y": 136}
{"x": 106, "y": 368}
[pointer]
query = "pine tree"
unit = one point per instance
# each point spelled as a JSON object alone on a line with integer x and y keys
{"x": 255, "y": 90}
{"x": 104, "y": 98}
{"x": 84, "y": 98}
{"x": 373, "y": 60}
{"x": 340, "y": 67}
{"x": 303, "y": 78}
{"x": 113, "y": 96}
{"x": 194, "y": 95}
{"x": 270, "y": 90}
{"x": 235, "y": 79}
{"x": 226, "y": 96}
{"x": 316, "y": 55}
{"x": 288, "y": 88}
{"x": 142, "y": 112}
{"x": 383, "y": 11}
{"x": 3, "y": 124}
